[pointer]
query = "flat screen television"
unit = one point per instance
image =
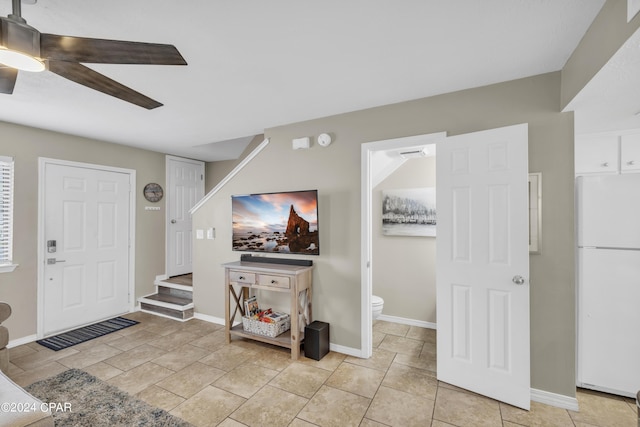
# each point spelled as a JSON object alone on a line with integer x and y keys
{"x": 285, "y": 222}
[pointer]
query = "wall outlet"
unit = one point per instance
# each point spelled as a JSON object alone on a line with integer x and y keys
{"x": 211, "y": 233}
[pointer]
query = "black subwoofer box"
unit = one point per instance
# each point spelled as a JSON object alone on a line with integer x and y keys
{"x": 316, "y": 340}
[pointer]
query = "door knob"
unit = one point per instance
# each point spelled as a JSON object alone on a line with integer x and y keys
{"x": 173, "y": 221}
{"x": 518, "y": 280}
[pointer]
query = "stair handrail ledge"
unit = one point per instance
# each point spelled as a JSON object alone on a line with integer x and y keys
{"x": 230, "y": 175}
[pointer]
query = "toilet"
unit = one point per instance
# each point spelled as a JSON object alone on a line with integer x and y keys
{"x": 376, "y": 306}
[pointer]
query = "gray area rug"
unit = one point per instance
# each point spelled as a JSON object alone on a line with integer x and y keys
{"x": 95, "y": 403}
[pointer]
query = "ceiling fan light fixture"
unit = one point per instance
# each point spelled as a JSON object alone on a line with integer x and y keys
{"x": 20, "y": 61}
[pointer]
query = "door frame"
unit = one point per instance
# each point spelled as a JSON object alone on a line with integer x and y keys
{"x": 366, "y": 251}
{"x": 41, "y": 257}
{"x": 169, "y": 198}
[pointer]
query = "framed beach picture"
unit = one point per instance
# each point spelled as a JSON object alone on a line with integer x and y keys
{"x": 409, "y": 212}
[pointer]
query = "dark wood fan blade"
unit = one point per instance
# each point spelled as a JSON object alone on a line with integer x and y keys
{"x": 87, "y": 77}
{"x": 99, "y": 51}
{"x": 7, "y": 79}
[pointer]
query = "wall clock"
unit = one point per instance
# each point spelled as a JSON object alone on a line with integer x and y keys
{"x": 153, "y": 192}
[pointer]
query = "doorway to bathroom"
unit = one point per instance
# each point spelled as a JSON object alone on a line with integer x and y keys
{"x": 482, "y": 259}
{"x": 392, "y": 166}
{"x": 403, "y": 238}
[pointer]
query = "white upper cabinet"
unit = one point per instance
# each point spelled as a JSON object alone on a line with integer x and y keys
{"x": 607, "y": 154}
{"x": 597, "y": 154}
{"x": 630, "y": 153}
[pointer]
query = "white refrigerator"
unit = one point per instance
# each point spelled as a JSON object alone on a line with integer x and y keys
{"x": 608, "y": 227}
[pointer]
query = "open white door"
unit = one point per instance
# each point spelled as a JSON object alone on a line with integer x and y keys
{"x": 483, "y": 263}
{"x": 185, "y": 188}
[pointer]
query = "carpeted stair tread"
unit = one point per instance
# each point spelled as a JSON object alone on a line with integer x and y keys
{"x": 184, "y": 280}
{"x": 171, "y": 299}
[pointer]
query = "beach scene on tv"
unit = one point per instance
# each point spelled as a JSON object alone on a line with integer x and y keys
{"x": 276, "y": 222}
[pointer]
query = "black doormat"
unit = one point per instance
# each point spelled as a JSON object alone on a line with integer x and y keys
{"x": 86, "y": 333}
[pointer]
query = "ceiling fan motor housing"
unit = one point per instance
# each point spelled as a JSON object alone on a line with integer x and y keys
{"x": 20, "y": 37}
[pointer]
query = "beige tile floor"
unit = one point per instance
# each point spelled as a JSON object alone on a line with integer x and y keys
{"x": 189, "y": 370}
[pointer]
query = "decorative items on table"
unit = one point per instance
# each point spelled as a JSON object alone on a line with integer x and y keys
{"x": 264, "y": 322}
{"x": 251, "y": 306}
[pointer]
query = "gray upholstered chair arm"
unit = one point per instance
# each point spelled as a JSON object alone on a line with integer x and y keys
{"x": 5, "y": 311}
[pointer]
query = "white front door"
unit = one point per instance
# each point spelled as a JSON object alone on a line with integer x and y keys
{"x": 483, "y": 263}
{"x": 86, "y": 239}
{"x": 185, "y": 188}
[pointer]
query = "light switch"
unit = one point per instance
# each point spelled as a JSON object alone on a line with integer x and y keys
{"x": 211, "y": 233}
{"x": 199, "y": 234}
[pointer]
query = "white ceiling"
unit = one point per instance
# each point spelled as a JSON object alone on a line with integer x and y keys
{"x": 256, "y": 64}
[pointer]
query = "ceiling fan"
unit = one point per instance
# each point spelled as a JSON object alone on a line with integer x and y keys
{"x": 22, "y": 47}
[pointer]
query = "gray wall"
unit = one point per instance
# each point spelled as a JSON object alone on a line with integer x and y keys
{"x": 335, "y": 172}
{"x": 216, "y": 171}
{"x": 404, "y": 268}
{"x": 26, "y": 144}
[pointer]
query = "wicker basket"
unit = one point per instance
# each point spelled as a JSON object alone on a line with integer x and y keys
{"x": 266, "y": 329}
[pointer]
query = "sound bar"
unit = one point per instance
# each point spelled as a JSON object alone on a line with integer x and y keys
{"x": 266, "y": 260}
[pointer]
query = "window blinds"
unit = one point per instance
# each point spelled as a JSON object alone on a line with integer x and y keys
{"x": 6, "y": 210}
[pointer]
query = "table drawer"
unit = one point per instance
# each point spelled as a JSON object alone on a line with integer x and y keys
{"x": 242, "y": 277}
{"x": 274, "y": 281}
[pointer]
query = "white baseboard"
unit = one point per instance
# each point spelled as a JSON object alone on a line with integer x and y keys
{"x": 405, "y": 321}
{"x": 23, "y": 340}
{"x": 208, "y": 318}
{"x": 554, "y": 399}
{"x": 349, "y": 351}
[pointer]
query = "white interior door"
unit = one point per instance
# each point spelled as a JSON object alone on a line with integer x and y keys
{"x": 483, "y": 263}
{"x": 86, "y": 230}
{"x": 185, "y": 187}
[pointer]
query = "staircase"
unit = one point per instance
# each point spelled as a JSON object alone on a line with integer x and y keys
{"x": 173, "y": 298}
